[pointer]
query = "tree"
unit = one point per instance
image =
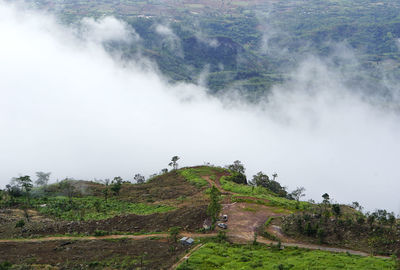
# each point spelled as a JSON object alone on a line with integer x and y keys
{"x": 238, "y": 178}
{"x": 357, "y": 206}
{"x": 237, "y": 166}
{"x": 67, "y": 188}
{"x": 391, "y": 219}
{"x": 174, "y": 163}
{"x": 25, "y": 183}
{"x": 13, "y": 191}
{"x": 214, "y": 207}
{"x": 336, "y": 209}
{"x": 139, "y": 179}
{"x": 326, "y": 198}
{"x": 163, "y": 171}
{"x": 298, "y": 193}
{"x": 116, "y": 185}
{"x": 261, "y": 179}
{"x": 106, "y": 190}
{"x": 174, "y": 233}
{"x": 42, "y": 178}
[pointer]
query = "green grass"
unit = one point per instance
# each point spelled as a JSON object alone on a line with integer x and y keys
{"x": 230, "y": 256}
{"x": 194, "y": 175}
{"x": 94, "y": 208}
{"x": 263, "y": 193}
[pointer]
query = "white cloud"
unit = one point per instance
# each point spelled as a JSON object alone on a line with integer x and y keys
{"x": 107, "y": 29}
{"x": 171, "y": 40}
{"x": 164, "y": 30}
{"x": 68, "y": 107}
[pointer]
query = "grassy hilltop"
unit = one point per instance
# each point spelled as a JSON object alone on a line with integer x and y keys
{"x": 122, "y": 225}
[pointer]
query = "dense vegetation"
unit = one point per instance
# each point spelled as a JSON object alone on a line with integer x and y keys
{"x": 93, "y": 208}
{"x": 376, "y": 233}
{"x": 263, "y": 193}
{"x": 230, "y": 256}
{"x": 251, "y": 45}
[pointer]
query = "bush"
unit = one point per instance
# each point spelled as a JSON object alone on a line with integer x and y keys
{"x": 100, "y": 233}
{"x": 237, "y": 177}
{"x": 20, "y": 223}
{"x": 5, "y": 265}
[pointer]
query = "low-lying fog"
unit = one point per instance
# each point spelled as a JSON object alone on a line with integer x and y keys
{"x": 68, "y": 107}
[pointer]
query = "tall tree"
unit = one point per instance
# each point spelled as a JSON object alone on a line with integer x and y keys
{"x": 139, "y": 179}
{"x": 67, "y": 188}
{"x": 326, "y": 198}
{"x": 13, "y": 191}
{"x": 215, "y": 206}
{"x": 106, "y": 190}
{"x": 298, "y": 193}
{"x": 116, "y": 185}
{"x": 42, "y": 178}
{"x": 237, "y": 166}
{"x": 174, "y": 162}
{"x": 25, "y": 183}
{"x": 260, "y": 179}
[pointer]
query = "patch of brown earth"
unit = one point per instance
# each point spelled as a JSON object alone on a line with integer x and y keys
{"x": 135, "y": 254}
{"x": 245, "y": 218}
{"x": 189, "y": 218}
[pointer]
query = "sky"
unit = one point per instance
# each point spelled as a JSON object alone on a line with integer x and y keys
{"x": 70, "y": 108}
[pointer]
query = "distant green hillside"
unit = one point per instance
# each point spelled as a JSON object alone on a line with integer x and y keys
{"x": 250, "y": 45}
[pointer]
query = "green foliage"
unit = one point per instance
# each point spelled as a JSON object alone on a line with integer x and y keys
{"x": 42, "y": 178}
{"x": 94, "y": 208}
{"x": 174, "y": 162}
{"x": 116, "y": 185}
{"x": 5, "y": 265}
{"x": 262, "y": 193}
{"x": 174, "y": 233}
{"x": 236, "y": 167}
{"x": 25, "y": 183}
{"x": 20, "y": 223}
{"x": 336, "y": 209}
{"x": 229, "y": 256}
{"x": 221, "y": 236}
{"x": 268, "y": 222}
{"x": 214, "y": 207}
{"x": 194, "y": 175}
{"x": 343, "y": 227}
{"x": 237, "y": 177}
{"x": 262, "y": 180}
{"x": 100, "y": 233}
{"x": 67, "y": 188}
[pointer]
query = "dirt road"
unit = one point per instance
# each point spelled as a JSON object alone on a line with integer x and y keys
{"x": 117, "y": 236}
{"x": 245, "y": 218}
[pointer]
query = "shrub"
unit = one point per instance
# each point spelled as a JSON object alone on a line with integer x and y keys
{"x": 100, "y": 233}
{"x": 237, "y": 177}
{"x": 20, "y": 223}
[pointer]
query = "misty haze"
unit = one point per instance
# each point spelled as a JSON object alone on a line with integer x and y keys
{"x": 95, "y": 95}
